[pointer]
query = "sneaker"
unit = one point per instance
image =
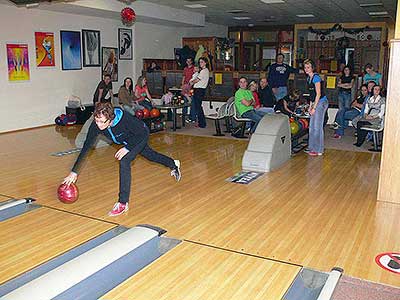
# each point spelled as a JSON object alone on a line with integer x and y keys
{"x": 337, "y": 136}
{"x": 334, "y": 126}
{"x": 313, "y": 153}
{"x": 307, "y": 150}
{"x": 176, "y": 172}
{"x": 118, "y": 209}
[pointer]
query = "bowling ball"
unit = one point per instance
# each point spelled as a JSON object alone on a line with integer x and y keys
{"x": 154, "y": 113}
{"x": 301, "y": 127}
{"x": 304, "y": 123}
{"x": 139, "y": 114}
{"x": 146, "y": 113}
{"x": 158, "y": 126}
{"x": 67, "y": 193}
{"x": 294, "y": 128}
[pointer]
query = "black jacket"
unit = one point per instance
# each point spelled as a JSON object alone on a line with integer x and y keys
{"x": 126, "y": 130}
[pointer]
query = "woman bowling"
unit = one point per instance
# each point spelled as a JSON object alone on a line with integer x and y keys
{"x": 317, "y": 110}
{"x": 124, "y": 129}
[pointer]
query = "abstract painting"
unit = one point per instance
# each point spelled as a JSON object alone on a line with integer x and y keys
{"x": 71, "y": 50}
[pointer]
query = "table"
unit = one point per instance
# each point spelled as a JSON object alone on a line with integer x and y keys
{"x": 173, "y": 108}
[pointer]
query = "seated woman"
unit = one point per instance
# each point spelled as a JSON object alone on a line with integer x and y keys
{"x": 373, "y": 114}
{"x": 287, "y": 105}
{"x": 344, "y": 115}
{"x": 127, "y": 98}
{"x": 142, "y": 93}
{"x": 253, "y": 87}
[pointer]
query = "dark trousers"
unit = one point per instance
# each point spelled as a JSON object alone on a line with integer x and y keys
{"x": 125, "y": 166}
{"x": 198, "y": 97}
{"x": 361, "y": 134}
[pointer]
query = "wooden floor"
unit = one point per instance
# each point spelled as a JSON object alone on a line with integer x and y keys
{"x": 196, "y": 272}
{"x": 316, "y": 212}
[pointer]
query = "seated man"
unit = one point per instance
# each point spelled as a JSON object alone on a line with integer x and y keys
{"x": 344, "y": 115}
{"x": 103, "y": 91}
{"x": 244, "y": 103}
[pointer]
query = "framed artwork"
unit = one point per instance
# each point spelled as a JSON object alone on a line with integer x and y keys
{"x": 91, "y": 48}
{"x": 18, "y": 62}
{"x": 125, "y": 43}
{"x": 109, "y": 65}
{"x": 44, "y": 43}
{"x": 70, "y": 50}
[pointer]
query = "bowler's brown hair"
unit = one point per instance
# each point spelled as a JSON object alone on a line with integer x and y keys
{"x": 104, "y": 109}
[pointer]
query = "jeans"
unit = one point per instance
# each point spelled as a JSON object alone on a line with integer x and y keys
{"x": 125, "y": 166}
{"x": 343, "y": 116}
{"x": 185, "y": 109}
{"x": 344, "y": 100}
{"x": 281, "y": 92}
{"x": 254, "y": 115}
{"x": 361, "y": 134}
{"x": 198, "y": 99}
{"x": 316, "y": 129}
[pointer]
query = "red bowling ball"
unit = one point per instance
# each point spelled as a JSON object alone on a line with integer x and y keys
{"x": 139, "y": 114}
{"x": 67, "y": 193}
{"x": 154, "y": 113}
{"x": 146, "y": 113}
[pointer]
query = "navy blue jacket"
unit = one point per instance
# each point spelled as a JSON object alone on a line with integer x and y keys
{"x": 125, "y": 130}
{"x": 278, "y": 74}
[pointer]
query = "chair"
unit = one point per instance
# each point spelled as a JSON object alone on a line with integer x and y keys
{"x": 375, "y": 129}
{"x": 239, "y": 119}
{"x": 222, "y": 113}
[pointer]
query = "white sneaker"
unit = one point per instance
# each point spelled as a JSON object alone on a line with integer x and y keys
{"x": 176, "y": 172}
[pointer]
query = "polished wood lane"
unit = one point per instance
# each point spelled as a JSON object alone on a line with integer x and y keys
{"x": 318, "y": 212}
{"x": 37, "y": 236}
{"x": 192, "y": 272}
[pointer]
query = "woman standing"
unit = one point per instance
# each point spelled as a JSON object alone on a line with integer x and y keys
{"x": 345, "y": 84}
{"x": 373, "y": 114}
{"x": 317, "y": 110}
{"x": 200, "y": 86}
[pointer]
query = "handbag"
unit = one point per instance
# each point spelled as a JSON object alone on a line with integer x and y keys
{"x": 75, "y": 102}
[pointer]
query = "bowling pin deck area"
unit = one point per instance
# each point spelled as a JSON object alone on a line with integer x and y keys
{"x": 233, "y": 241}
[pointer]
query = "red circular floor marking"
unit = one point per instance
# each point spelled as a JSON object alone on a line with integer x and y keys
{"x": 390, "y": 261}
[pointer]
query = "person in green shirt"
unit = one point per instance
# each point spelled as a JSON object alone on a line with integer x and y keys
{"x": 245, "y": 102}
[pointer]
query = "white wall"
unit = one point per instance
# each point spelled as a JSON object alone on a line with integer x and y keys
{"x": 38, "y": 101}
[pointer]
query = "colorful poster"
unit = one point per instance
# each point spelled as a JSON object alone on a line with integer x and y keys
{"x": 18, "y": 62}
{"x": 44, "y": 42}
{"x": 71, "y": 50}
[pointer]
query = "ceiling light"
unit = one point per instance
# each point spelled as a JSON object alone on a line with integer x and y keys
{"x": 236, "y": 11}
{"x": 371, "y": 4}
{"x": 272, "y": 1}
{"x": 306, "y": 16}
{"x": 242, "y": 18}
{"x": 250, "y": 25}
{"x": 32, "y": 5}
{"x": 378, "y": 13}
{"x": 195, "y": 5}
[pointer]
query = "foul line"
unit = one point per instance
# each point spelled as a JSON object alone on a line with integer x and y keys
{"x": 244, "y": 253}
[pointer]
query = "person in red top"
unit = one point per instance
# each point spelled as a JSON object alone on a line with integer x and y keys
{"x": 142, "y": 93}
{"x": 253, "y": 87}
{"x": 188, "y": 72}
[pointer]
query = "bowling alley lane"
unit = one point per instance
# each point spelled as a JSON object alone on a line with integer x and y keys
{"x": 35, "y": 237}
{"x": 193, "y": 271}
